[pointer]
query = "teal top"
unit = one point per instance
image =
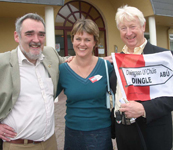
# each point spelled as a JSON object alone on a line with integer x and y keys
{"x": 86, "y": 100}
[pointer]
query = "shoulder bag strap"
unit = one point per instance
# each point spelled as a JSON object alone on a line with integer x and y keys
{"x": 109, "y": 90}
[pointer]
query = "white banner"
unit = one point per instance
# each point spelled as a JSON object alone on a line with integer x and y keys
{"x": 144, "y": 77}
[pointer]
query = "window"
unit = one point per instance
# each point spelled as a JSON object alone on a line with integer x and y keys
{"x": 147, "y": 36}
{"x": 171, "y": 41}
{"x": 65, "y": 19}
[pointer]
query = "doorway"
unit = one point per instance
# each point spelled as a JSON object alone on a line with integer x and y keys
{"x": 65, "y": 19}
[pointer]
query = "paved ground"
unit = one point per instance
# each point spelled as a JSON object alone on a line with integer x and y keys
{"x": 60, "y": 122}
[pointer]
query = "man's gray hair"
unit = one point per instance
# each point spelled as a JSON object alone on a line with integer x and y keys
{"x": 20, "y": 20}
{"x": 129, "y": 13}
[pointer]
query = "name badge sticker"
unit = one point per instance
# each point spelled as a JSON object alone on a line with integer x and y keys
{"x": 95, "y": 78}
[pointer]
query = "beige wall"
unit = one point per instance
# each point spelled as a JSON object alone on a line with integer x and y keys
{"x": 108, "y": 13}
{"x": 9, "y": 12}
{"x": 143, "y": 5}
{"x": 171, "y": 30}
{"x": 107, "y": 9}
{"x": 162, "y": 37}
{"x": 7, "y": 31}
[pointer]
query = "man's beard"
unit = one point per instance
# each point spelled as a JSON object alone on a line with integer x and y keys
{"x": 32, "y": 56}
{"x": 29, "y": 54}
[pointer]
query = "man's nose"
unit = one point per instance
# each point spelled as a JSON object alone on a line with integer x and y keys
{"x": 128, "y": 31}
{"x": 35, "y": 38}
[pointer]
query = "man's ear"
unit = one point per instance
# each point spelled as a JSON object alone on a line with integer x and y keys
{"x": 16, "y": 37}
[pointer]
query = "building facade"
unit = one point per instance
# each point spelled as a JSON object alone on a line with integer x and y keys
{"x": 60, "y": 15}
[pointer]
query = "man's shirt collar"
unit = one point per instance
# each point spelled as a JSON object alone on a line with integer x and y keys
{"x": 137, "y": 50}
{"x": 23, "y": 58}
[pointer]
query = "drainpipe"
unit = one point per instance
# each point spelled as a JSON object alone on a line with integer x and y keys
{"x": 152, "y": 30}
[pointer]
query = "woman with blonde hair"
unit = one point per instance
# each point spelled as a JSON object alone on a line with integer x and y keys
{"x": 84, "y": 83}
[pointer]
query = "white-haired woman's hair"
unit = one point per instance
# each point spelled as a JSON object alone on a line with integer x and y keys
{"x": 129, "y": 13}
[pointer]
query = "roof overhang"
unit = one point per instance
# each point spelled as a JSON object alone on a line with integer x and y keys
{"x": 43, "y": 2}
{"x": 162, "y": 7}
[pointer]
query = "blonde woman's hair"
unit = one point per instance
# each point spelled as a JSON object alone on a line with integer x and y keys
{"x": 88, "y": 26}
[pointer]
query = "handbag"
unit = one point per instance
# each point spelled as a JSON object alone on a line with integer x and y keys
{"x": 110, "y": 97}
{"x": 110, "y": 103}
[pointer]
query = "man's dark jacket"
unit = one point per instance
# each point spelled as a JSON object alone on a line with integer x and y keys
{"x": 156, "y": 129}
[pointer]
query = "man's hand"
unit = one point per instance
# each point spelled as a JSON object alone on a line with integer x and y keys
{"x": 109, "y": 58}
{"x": 132, "y": 109}
{"x": 6, "y": 132}
{"x": 70, "y": 59}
